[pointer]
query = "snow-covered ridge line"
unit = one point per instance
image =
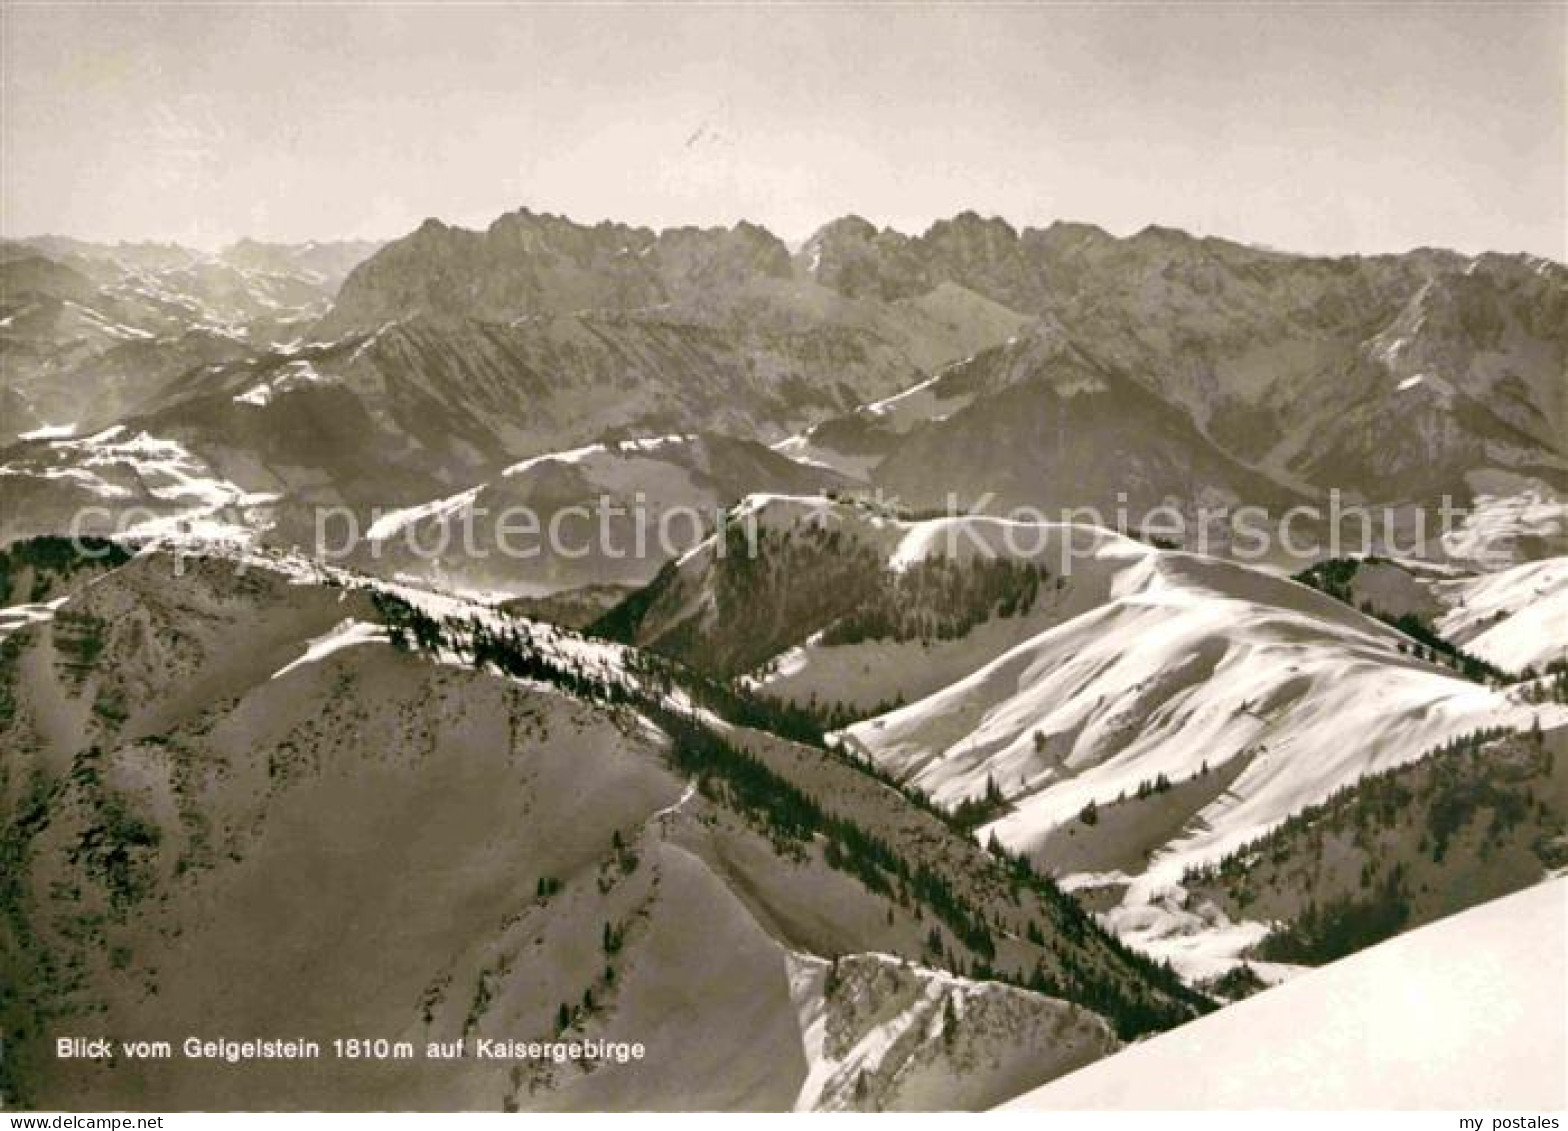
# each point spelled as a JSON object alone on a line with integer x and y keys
{"x": 578, "y": 455}
{"x": 393, "y": 522}
{"x": 295, "y": 374}
{"x": 17, "y": 617}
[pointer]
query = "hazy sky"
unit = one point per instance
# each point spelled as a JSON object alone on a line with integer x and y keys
{"x": 1313, "y": 128}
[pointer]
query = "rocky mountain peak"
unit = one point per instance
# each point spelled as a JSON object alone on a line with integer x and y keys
{"x": 528, "y": 263}
{"x": 694, "y": 262}
{"x": 851, "y": 256}
{"x": 968, "y": 226}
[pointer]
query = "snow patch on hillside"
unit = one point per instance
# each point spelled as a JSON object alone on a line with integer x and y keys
{"x": 295, "y": 375}
{"x": 17, "y": 617}
{"x": 344, "y": 635}
{"x": 49, "y": 432}
{"x": 588, "y": 451}
{"x": 392, "y": 522}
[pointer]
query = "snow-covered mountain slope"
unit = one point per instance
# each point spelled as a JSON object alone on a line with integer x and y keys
{"x": 530, "y": 266}
{"x": 1516, "y": 618}
{"x": 1229, "y": 667}
{"x": 1511, "y": 518}
{"x": 197, "y": 755}
{"x": 120, "y": 481}
{"x": 451, "y": 355}
{"x": 417, "y": 409}
{"x": 38, "y": 575}
{"x": 1465, "y": 1014}
{"x": 1475, "y": 820}
{"x": 1295, "y": 692}
{"x": 1120, "y": 713}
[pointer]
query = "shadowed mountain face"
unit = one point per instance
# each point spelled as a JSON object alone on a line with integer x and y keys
{"x": 1042, "y": 423}
{"x": 527, "y": 265}
{"x": 1394, "y": 377}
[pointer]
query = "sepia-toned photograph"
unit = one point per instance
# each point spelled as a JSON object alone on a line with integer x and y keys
{"x": 784, "y": 557}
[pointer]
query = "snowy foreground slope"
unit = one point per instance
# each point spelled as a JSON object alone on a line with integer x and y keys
{"x": 1465, "y": 1013}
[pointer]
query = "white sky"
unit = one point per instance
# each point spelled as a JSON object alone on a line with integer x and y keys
{"x": 1307, "y": 127}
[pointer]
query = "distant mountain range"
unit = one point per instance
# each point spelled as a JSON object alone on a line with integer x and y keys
{"x": 1048, "y": 368}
